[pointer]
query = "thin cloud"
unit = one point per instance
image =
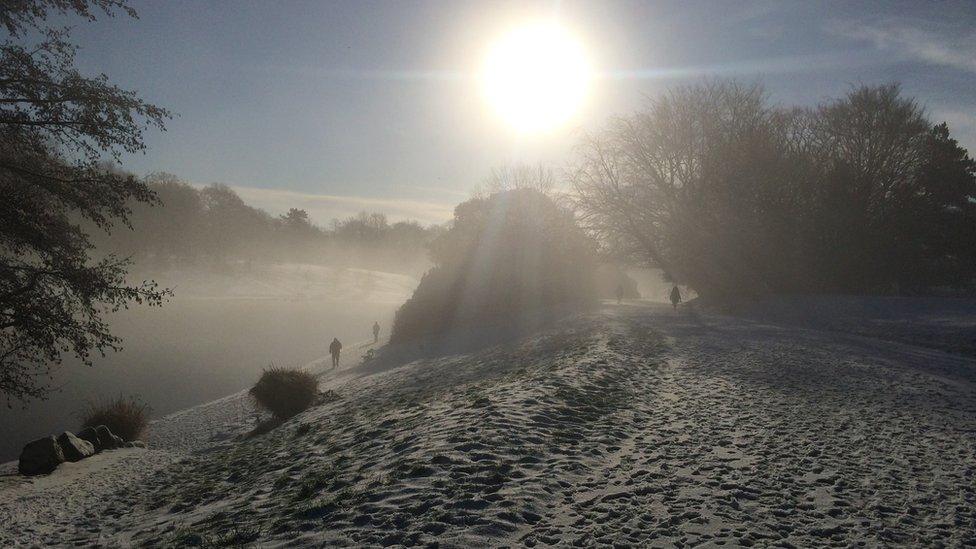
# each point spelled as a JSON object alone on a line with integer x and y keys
{"x": 770, "y": 65}
{"x": 915, "y": 42}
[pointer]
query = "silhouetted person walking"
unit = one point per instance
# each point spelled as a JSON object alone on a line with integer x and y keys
{"x": 620, "y": 293}
{"x": 675, "y": 297}
{"x": 376, "y": 332}
{"x": 334, "y": 349}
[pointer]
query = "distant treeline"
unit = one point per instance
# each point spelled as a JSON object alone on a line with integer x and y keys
{"x": 735, "y": 197}
{"x": 213, "y": 227}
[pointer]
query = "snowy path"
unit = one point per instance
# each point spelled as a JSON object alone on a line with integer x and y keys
{"x": 637, "y": 426}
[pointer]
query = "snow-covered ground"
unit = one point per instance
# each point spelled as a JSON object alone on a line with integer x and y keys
{"x": 945, "y": 323}
{"x": 635, "y": 425}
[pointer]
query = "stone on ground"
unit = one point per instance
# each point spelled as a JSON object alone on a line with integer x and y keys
{"x": 91, "y": 435}
{"x": 74, "y": 448}
{"x": 101, "y": 438}
{"x": 40, "y": 457}
{"x": 109, "y": 440}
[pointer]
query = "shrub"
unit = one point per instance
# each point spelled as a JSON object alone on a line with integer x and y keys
{"x": 125, "y": 417}
{"x": 285, "y": 392}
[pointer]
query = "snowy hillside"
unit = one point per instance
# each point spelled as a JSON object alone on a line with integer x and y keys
{"x": 636, "y": 425}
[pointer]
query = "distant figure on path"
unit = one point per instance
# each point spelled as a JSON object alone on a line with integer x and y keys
{"x": 620, "y": 293}
{"x": 334, "y": 349}
{"x": 675, "y": 297}
{"x": 376, "y": 332}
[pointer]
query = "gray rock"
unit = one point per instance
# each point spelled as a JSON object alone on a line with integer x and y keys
{"x": 74, "y": 448}
{"x": 108, "y": 439}
{"x": 40, "y": 457}
{"x": 101, "y": 437}
{"x": 135, "y": 444}
{"x": 89, "y": 434}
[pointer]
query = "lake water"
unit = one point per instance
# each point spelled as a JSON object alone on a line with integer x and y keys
{"x": 192, "y": 351}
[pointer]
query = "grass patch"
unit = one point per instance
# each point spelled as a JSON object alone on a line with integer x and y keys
{"x": 341, "y": 500}
{"x": 238, "y": 536}
{"x": 315, "y": 482}
{"x": 185, "y": 537}
{"x": 126, "y": 417}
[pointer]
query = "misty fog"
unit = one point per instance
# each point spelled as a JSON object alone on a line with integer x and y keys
{"x": 213, "y": 338}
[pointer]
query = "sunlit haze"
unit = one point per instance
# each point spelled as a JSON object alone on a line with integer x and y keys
{"x": 536, "y": 76}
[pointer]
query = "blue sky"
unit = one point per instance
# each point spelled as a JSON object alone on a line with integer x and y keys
{"x": 338, "y": 107}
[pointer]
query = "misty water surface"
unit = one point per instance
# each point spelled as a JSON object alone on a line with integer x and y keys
{"x": 194, "y": 350}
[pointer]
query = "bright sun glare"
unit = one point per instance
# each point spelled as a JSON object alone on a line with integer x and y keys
{"x": 536, "y": 77}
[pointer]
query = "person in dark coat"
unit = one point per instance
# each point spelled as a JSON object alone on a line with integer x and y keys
{"x": 334, "y": 349}
{"x": 675, "y": 297}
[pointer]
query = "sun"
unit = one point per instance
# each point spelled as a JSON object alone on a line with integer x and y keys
{"x": 536, "y": 77}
